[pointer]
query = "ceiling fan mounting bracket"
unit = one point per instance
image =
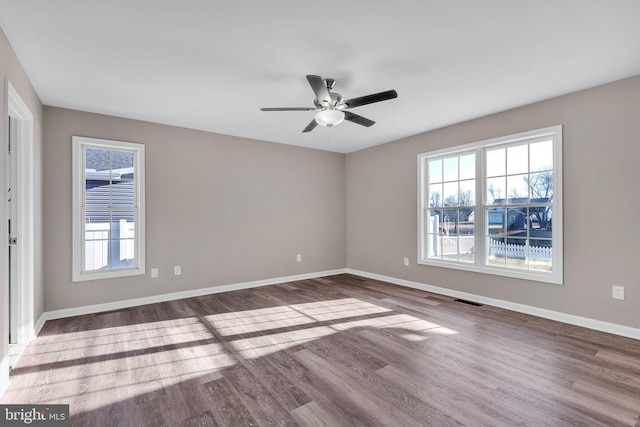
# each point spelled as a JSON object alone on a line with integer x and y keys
{"x": 329, "y": 83}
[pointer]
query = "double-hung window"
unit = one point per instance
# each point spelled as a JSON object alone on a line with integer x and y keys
{"x": 108, "y": 208}
{"x": 494, "y": 206}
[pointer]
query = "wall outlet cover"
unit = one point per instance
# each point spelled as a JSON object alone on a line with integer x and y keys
{"x": 617, "y": 292}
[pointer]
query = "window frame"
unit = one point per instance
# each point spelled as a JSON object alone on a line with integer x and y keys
{"x": 480, "y": 219}
{"x": 79, "y": 143}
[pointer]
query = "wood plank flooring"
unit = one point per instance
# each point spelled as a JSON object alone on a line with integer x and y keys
{"x": 334, "y": 351}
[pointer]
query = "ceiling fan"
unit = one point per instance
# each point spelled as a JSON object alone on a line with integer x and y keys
{"x": 331, "y": 107}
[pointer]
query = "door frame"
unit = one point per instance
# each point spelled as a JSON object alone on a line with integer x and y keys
{"x": 17, "y": 109}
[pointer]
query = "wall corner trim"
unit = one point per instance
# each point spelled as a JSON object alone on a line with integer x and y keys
{"x": 3, "y": 387}
{"x": 585, "y": 322}
{"x": 39, "y": 324}
{"x": 117, "y": 305}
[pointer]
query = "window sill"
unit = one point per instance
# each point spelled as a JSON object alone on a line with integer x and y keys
{"x": 113, "y": 274}
{"x": 553, "y": 278}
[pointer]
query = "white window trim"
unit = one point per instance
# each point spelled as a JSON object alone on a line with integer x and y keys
{"x": 78, "y": 274}
{"x": 554, "y": 277}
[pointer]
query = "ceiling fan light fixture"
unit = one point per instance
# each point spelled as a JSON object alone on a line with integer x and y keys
{"x": 329, "y": 117}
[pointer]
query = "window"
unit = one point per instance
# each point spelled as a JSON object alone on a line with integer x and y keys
{"x": 494, "y": 206}
{"x": 108, "y": 209}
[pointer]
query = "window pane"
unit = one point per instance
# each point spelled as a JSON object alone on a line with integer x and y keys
{"x": 496, "y": 162}
{"x": 451, "y": 194}
{"x": 435, "y": 170}
{"x": 123, "y": 191}
{"x": 96, "y": 159}
{"x": 121, "y": 252}
{"x": 449, "y": 222}
{"x": 541, "y": 187}
{"x": 449, "y": 235}
{"x": 467, "y": 249}
{"x": 466, "y": 231}
{"x": 517, "y": 253}
{"x": 435, "y": 195}
{"x": 496, "y": 222}
{"x": 496, "y": 252}
{"x": 98, "y": 221}
{"x": 123, "y": 225}
{"x": 451, "y": 169}
{"x": 540, "y": 217}
{"x": 496, "y": 192}
{"x": 540, "y": 255}
{"x": 97, "y": 192}
{"x": 121, "y": 160}
{"x": 518, "y": 190}
{"x": 435, "y": 216}
{"x": 466, "y": 219}
{"x": 434, "y": 244}
{"x": 468, "y": 193}
{"x": 541, "y": 156}
{"x": 97, "y": 231}
{"x": 96, "y": 255}
{"x": 433, "y": 238}
{"x": 468, "y": 166}
{"x": 517, "y": 222}
{"x": 450, "y": 248}
{"x": 517, "y": 159}
{"x": 127, "y": 216}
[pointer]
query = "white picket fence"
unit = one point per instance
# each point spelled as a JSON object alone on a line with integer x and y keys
{"x": 499, "y": 248}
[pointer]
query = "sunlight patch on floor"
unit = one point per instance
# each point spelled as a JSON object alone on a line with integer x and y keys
{"x": 249, "y": 321}
{"x": 117, "y": 363}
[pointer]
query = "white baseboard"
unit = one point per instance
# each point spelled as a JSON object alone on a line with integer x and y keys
{"x": 598, "y": 325}
{"x": 118, "y": 305}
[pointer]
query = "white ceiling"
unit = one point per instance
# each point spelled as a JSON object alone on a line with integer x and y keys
{"x": 211, "y": 65}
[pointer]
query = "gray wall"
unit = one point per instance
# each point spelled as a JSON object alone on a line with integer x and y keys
{"x": 226, "y": 209}
{"x": 601, "y": 204}
{"x": 11, "y": 69}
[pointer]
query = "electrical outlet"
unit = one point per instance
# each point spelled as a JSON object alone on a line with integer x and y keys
{"x": 617, "y": 292}
{"x": 177, "y": 270}
{"x": 406, "y": 262}
{"x": 154, "y": 273}
{"x": 299, "y": 258}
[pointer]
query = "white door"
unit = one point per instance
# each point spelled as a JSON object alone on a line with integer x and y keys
{"x": 12, "y": 205}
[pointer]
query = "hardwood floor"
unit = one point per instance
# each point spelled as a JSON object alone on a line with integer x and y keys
{"x": 335, "y": 351}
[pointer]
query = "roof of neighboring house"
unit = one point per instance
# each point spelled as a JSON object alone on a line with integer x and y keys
{"x": 98, "y": 159}
{"x": 521, "y": 200}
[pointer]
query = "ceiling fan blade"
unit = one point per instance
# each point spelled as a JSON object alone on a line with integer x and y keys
{"x": 370, "y": 99}
{"x": 319, "y": 88}
{"x": 289, "y": 109}
{"x": 363, "y": 121}
{"x": 311, "y": 126}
